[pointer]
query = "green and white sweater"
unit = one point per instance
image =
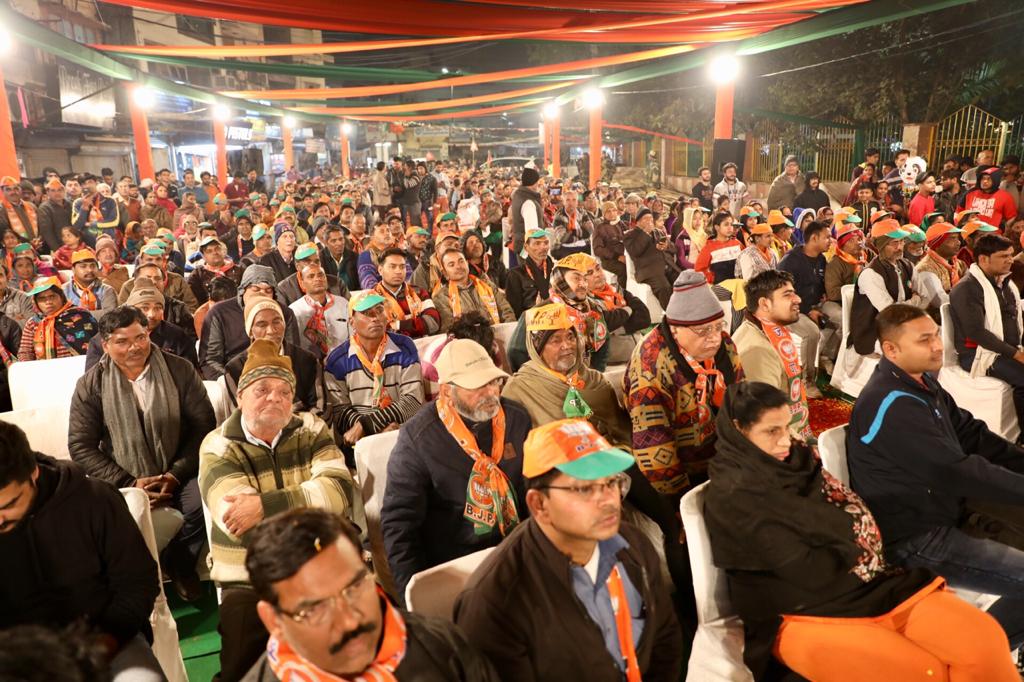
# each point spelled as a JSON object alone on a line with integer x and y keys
{"x": 305, "y": 469}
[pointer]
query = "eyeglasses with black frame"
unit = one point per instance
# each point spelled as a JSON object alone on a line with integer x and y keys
{"x": 595, "y": 490}
{"x": 317, "y": 613}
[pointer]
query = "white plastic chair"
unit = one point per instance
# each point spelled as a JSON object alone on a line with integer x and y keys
{"x": 45, "y": 383}
{"x": 372, "y": 454}
{"x": 614, "y": 376}
{"x": 717, "y": 652}
{"x": 220, "y": 399}
{"x": 852, "y": 370}
{"x": 643, "y": 292}
{"x": 424, "y": 342}
{"x": 433, "y": 592}
{"x": 45, "y": 427}
{"x": 165, "y": 631}
{"x": 832, "y": 448}
{"x": 503, "y": 333}
{"x": 987, "y": 398}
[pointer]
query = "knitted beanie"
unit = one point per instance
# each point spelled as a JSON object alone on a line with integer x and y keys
{"x": 265, "y": 360}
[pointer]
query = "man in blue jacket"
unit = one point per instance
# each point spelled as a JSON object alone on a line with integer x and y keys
{"x": 917, "y": 458}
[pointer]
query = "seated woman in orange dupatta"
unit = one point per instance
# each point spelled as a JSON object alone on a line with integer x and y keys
{"x": 59, "y": 329}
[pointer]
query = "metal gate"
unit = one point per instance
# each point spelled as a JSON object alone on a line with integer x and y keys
{"x": 967, "y": 132}
{"x": 825, "y": 149}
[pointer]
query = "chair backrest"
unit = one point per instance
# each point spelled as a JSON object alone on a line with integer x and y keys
{"x": 503, "y": 333}
{"x": 709, "y": 584}
{"x": 614, "y": 376}
{"x": 832, "y": 448}
{"x": 630, "y": 268}
{"x": 949, "y": 355}
{"x": 424, "y": 342}
{"x": 372, "y": 454}
{"x": 219, "y": 398}
{"x": 433, "y": 592}
{"x": 165, "y": 631}
{"x": 45, "y": 427}
{"x": 58, "y": 376}
{"x": 846, "y": 294}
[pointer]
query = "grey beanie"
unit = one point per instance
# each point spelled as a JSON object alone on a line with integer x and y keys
{"x": 692, "y": 302}
{"x": 256, "y": 274}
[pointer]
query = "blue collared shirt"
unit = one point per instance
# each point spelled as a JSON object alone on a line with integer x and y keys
{"x": 594, "y": 596}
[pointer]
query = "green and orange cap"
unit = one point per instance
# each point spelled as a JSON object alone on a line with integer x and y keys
{"x": 574, "y": 447}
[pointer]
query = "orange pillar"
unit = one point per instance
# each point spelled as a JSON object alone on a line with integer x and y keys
{"x": 545, "y": 138}
{"x": 556, "y": 148}
{"x": 344, "y": 151}
{"x": 140, "y": 131}
{"x": 220, "y": 138}
{"x": 289, "y": 153}
{"x": 724, "y": 95}
{"x": 596, "y": 127}
{"x": 8, "y": 155}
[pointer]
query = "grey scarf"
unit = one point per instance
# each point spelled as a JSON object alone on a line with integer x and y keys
{"x": 146, "y": 446}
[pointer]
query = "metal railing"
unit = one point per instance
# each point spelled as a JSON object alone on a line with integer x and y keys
{"x": 967, "y": 132}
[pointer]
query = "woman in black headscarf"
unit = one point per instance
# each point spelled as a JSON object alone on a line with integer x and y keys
{"x": 806, "y": 573}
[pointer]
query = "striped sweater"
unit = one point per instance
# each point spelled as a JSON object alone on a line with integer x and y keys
{"x": 350, "y": 386}
{"x": 305, "y": 469}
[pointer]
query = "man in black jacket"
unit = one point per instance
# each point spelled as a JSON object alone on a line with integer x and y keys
{"x": 137, "y": 419}
{"x": 71, "y": 551}
{"x": 549, "y": 602}
{"x": 306, "y": 563}
{"x": 916, "y": 458}
{"x": 528, "y": 282}
{"x": 985, "y": 307}
{"x": 424, "y": 517}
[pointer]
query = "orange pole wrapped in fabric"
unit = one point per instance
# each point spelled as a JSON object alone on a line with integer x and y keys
{"x": 724, "y": 95}
{"x": 556, "y": 148}
{"x": 545, "y": 141}
{"x": 140, "y": 133}
{"x": 344, "y": 151}
{"x": 220, "y": 139}
{"x": 8, "y": 154}
{"x": 286, "y": 141}
{"x": 594, "y": 172}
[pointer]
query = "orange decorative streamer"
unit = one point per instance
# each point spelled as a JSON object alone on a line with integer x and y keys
{"x": 468, "y": 113}
{"x": 458, "y": 81}
{"x": 440, "y": 104}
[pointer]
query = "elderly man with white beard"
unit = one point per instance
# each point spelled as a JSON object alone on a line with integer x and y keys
{"x": 455, "y": 482}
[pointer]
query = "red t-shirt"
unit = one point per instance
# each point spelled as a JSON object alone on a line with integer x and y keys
{"x": 920, "y": 206}
{"x": 994, "y": 208}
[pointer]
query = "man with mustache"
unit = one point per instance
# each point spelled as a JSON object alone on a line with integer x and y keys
{"x": 72, "y": 552}
{"x": 137, "y": 419}
{"x": 573, "y": 593}
{"x": 329, "y": 621}
{"x": 374, "y": 381}
{"x": 468, "y": 441}
{"x": 262, "y": 460}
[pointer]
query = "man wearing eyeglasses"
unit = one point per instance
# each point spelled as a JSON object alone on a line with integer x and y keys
{"x": 455, "y": 480}
{"x": 262, "y": 460}
{"x": 674, "y": 385}
{"x": 329, "y": 621}
{"x": 573, "y": 593}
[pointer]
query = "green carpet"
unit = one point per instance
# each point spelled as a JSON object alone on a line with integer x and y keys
{"x": 197, "y": 633}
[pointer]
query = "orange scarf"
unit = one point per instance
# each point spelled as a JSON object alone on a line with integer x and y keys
{"x": 782, "y": 342}
{"x": 485, "y": 293}
{"x": 86, "y": 297}
{"x": 395, "y": 311}
{"x": 490, "y": 500}
{"x": 857, "y": 263}
{"x": 15, "y": 219}
{"x": 289, "y": 666}
{"x": 623, "y": 624}
{"x": 952, "y": 268}
{"x": 316, "y": 326}
{"x": 612, "y": 298}
{"x": 45, "y": 338}
{"x": 380, "y": 397}
{"x": 706, "y": 373}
